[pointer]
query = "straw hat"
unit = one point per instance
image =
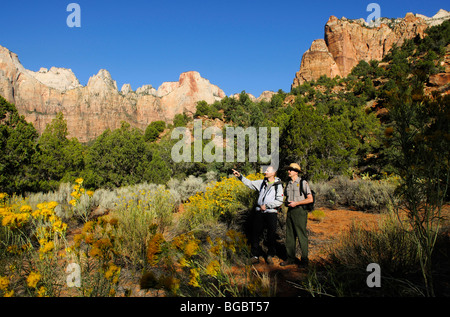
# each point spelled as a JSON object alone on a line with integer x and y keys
{"x": 294, "y": 167}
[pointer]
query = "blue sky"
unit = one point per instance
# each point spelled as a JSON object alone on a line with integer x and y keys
{"x": 237, "y": 45}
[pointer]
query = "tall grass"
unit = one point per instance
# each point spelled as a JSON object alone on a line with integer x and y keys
{"x": 345, "y": 271}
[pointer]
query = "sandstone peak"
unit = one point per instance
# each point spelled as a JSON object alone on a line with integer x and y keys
{"x": 332, "y": 19}
{"x": 58, "y": 78}
{"x": 318, "y": 46}
{"x": 126, "y": 89}
{"x": 146, "y": 90}
{"x": 8, "y": 57}
{"x": 102, "y": 81}
{"x": 347, "y": 42}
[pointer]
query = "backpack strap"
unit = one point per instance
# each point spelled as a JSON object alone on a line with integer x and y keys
{"x": 301, "y": 187}
{"x": 276, "y": 184}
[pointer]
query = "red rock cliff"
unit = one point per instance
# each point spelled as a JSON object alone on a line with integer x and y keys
{"x": 347, "y": 42}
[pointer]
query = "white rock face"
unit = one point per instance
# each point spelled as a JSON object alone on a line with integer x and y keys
{"x": 146, "y": 90}
{"x": 436, "y": 19}
{"x": 126, "y": 89}
{"x": 102, "y": 81}
{"x": 61, "y": 79}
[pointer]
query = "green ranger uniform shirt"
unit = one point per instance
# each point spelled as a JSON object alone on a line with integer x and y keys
{"x": 293, "y": 190}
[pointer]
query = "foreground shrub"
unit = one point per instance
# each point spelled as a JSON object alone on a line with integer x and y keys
{"x": 95, "y": 251}
{"x": 30, "y": 244}
{"x": 189, "y": 266}
{"x": 345, "y": 273}
{"x": 141, "y": 214}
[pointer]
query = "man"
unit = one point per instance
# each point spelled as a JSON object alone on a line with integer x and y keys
{"x": 297, "y": 216}
{"x": 270, "y": 198}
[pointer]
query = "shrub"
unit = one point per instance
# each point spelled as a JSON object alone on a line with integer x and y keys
{"x": 95, "y": 251}
{"x": 365, "y": 195}
{"x": 141, "y": 213}
{"x": 188, "y": 265}
{"x": 188, "y": 187}
{"x": 31, "y": 239}
{"x": 345, "y": 272}
{"x": 221, "y": 201}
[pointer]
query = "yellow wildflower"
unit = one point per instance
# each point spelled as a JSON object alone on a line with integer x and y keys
{"x": 191, "y": 248}
{"x": 59, "y": 226}
{"x": 183, "y": 262}
{"x": 41, "y": 205}
{"x": 4, "y": 283}
{"x": 79, "y": 181}
{"x": 14, "y": 220}
{"x": 33, "y": 279}
{"x": 95, "y": 252}
{"x": 51, "y": 205}
{"x": 9, "y": 294}
{"x": 47, "y": 247}
{"x": 154, "y": 248}
{"x": 194, "y": 277}
{"x": 113, "y": 273}
{"x": 3, "y": 196}
{"x": 76, "y": 195}
{"x": 42, "y": 291}
{"x": 88, "y": 227}
{"x": 26, "y": 208}
{"x": 213, "y": 268}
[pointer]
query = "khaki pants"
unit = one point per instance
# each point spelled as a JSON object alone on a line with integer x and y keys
{"x": 296, "y": 220}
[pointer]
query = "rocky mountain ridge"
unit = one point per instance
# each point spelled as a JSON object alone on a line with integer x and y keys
{"x": 91, "y": 109}
{"x": 100, "y": 105}
{"x": 347, "y": 42}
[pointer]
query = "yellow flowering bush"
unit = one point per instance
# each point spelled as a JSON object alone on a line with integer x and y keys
{"x": 195, "y": 268}
{"x": 5, "y": 290}
{"x": 221, "y": 201}
{"x": 95, "y": 251}
{"x": 29, "y": 239}
{"x": 138, "y": 234}
{"x": 80, "y": 201}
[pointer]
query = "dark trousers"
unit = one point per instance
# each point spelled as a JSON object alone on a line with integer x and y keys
{"x": 296, "y": 220}
{"x": 261, "y": 221}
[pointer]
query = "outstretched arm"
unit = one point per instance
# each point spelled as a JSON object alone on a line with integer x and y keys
{"x": 255, "y": 185}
